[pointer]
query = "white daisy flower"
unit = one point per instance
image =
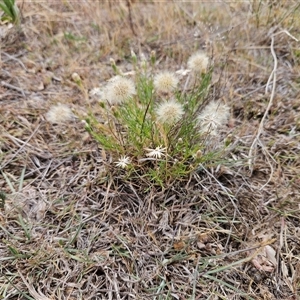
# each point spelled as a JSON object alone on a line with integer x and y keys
{"x": 123, "y": 162}
{"x": 158, "y": 152}
{"x": 97, "y": 91}
{"x": 183, "y": 72}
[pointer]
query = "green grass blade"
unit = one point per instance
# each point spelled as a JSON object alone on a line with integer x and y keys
{"x": 21, "y": 180}
{"x": 8, "y": 182}
{"x": 229, "y": 286}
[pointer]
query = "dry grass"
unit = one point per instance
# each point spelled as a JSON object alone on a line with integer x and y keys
{"x": 69, "y": 230}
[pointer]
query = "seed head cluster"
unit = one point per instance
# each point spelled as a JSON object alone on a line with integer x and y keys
{"x": 213, "y": 116}
{"x": 169, "y": 112}
{"x": 59, "y": 113}
{"x": 165, "y": 82}
{"x": 119, "y": 89}
{"x": 198, "y": 62}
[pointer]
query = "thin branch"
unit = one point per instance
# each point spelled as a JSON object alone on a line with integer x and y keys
{"x": 10, "y": 86}
{"x": 129, "y": 5}
{"x": 10, "y": 57}
{"x": 21, "y": 148}
{"x": 272, "y": 78}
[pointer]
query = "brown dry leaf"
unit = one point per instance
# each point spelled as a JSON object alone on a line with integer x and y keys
{"x": 200, "y": 245}
{"x": 163, "y": 223}
{"x": 203, "y": 237}
{"x": 271, "y": 254}
{"x": 47, "y": 77}
{"x": 32, "y": 203}
{"x": 180, "y": 245}
{"x": 264, "y": 259}
{"x": 40, "y": 87}
{"x": 40, "y": 209}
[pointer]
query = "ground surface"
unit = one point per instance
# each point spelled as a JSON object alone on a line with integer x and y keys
{"x": 69, "y": 233}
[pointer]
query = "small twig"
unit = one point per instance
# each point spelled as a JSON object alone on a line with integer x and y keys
{"x": 186, "y": 84}
{"x": 274, "y": 77}
{"x": 281, "y": 242}
{"x": 129, "y": 5}
{"x": 10, "y": 86}
{"x": 144, "y": 119}
{"x": 21, "y": 148}
{"x": 14, "y": 58}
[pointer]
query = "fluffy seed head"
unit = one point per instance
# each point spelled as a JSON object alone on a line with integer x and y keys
{"x": 169, "y": 112}
{"x": 119, "y": 89}
{"x": 213, "y": 116}
{"x": 165, "y": 82}
{"x": 198, "y": 62}
{"x": 59, "y": 113}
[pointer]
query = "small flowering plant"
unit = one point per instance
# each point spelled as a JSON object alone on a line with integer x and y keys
{"x": 150, "y": 126}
